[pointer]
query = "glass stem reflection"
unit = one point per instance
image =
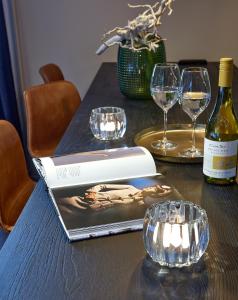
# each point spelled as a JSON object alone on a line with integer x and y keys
{"x": 165, "y": 128}
{"x": 193, "y": 149}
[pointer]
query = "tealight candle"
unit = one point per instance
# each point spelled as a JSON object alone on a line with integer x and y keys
{"x": 108, "y": 126}
{"x": 176, "y": 233}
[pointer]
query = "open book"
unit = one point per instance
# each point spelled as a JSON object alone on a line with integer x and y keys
{"x": 103, "y": 192}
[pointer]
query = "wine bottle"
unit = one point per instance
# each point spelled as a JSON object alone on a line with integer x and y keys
{"x": 221, "y": 136}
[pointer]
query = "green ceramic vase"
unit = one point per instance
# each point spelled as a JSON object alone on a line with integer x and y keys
{"x": 134, "y": 70}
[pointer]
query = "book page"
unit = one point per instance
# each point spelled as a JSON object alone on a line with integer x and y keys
{"x": 95, "y": 166}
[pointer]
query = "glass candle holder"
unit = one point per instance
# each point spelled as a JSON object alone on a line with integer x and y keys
{"x": 108, "y": 123}
{"x": 176, "y": 233}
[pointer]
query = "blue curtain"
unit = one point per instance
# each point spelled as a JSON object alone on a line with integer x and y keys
{"x": 8, "y": 102}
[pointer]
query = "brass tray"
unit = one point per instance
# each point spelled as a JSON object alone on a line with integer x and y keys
{"x": 181, "y": 134}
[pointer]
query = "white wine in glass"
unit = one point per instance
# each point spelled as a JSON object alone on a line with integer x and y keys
{"x": 195, "y": 97}
{"x": 164, "y": 89}
{"x": 193, "y": 103}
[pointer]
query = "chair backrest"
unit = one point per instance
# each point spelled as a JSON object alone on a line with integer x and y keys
{"x": 49, "y": 110}
{"x": 16, "y": 185}
{"x": 51, "y": 72}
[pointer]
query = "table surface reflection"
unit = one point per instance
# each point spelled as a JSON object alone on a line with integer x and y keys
{"x": 37, "y": 262}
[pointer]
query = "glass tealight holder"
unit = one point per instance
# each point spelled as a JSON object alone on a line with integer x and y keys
{"x": 108, "y": 123}
{"x": 176, "y": 233}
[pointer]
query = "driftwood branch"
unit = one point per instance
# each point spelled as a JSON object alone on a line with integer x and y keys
{"x": 141, "y": 32}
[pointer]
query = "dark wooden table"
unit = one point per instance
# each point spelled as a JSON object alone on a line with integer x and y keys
{"x": 37, "y": 262}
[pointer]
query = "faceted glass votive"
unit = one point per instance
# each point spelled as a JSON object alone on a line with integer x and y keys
{"x": 176, "y": 233}
{"x": 108, "y": 123}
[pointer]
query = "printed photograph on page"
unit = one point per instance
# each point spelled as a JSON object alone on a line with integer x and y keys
{"x": 111, "y": 202}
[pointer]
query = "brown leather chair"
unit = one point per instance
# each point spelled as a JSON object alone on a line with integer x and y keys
{"x": 51, "y": 72}
{"x": 49, "y": 110}
{"x": 16, "y": 185}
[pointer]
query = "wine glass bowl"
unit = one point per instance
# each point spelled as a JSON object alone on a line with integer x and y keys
{"x": 195, "y": 97}
{"x": 194, "y": 103}
{"x": 165, "y": 89}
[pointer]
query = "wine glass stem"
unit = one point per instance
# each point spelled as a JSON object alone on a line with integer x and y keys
{"x": 165, "y": 127}
{"x": 193, "y": 136}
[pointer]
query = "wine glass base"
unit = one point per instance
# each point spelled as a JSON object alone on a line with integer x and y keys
{"x": 190, "y": 152}
{"x": 162, "y": 145}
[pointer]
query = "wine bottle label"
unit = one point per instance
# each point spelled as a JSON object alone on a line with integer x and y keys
{"x": 220, "y": 158}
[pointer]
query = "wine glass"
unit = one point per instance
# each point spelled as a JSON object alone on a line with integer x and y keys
{"x": 195, "y": 96}
{"x": 164, "y": 89}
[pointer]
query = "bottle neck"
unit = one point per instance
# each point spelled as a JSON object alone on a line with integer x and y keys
{"x": 224, "y": 95}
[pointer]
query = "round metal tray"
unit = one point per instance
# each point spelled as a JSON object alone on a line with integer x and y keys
{"x": 181, "y": 134}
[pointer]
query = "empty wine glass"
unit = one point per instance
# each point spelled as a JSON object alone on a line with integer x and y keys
{"x": 195, "y": 96}
{"x": 164, "y": 89}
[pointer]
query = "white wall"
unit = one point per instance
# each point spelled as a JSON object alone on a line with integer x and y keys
{"x": 68, "y": 32}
